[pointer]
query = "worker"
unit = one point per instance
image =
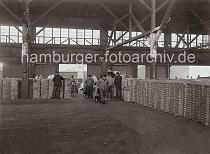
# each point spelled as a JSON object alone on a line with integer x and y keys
{"x": 57, "y": 85}
{"x": 110, "y": 80}
{"x": 89, "y": 86}
{"x": 118, "y": 85}
{"x": 102, "y": 85}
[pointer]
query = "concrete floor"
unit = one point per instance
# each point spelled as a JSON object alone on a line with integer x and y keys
{"x": 81, "y": 126}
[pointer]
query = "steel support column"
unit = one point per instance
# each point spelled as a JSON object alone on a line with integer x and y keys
{"x": 153, "y": 48}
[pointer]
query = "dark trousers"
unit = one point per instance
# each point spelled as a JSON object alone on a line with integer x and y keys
{"x": 89, "y": 91}
{"x": 118, "y": 92}
{"x": 56, "y": 92}
{"x": 110, "y": 91}
{"x": 103, "y": 94}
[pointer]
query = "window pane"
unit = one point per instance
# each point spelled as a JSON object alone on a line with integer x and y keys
{"x": 96, "y": 34}
{"x": 48, "y": 32}
{"x": 13, "y": 31}
{"x": 38, "y": 29}
{"x": 56, "y": 32}
{"x": 4, "y": 30}
{"x": 72, "y": 33}
{"x": 80, "y": 33}
{"x": 64, "y": 33}
{"x": 88, "y": 34}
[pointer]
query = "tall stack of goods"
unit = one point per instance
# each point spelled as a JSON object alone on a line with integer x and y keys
{"x": 1, "y": 88}
{"x": 24, "y": 89}
{"x": 124, "y": 89}
{"x": 30, "y": 88}
{"x": 68, "y": 88}
{"x": 205, "y": 106}
{"x": 44, "y": 88}
{"x": 129, "y": 90}
{"x": 51, "y": 85}
{"x": 6, "y": 88}
{"x": 36, "y": 88}
{"x": 14, "y": 88}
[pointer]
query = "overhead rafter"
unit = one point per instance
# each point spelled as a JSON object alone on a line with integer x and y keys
{"x": 168, "y": 12}
{"x": 114, "y": 16}
{"x": 162, "y": 5}
{"x": 145, "y": 5}
{"x": 138, "y": 24}
{"x": 10, "y": 12}
{"x": 201, "y": 20}
{"x": 45, "y": 13}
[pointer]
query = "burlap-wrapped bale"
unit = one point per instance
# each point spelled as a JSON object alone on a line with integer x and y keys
{"x": 36, "y": 88}
{"x": 50, "y": 90}
{"x": 24, "y": 89}
{"x": 1, "y": 88}
{"x": 14, "y": 88}
{"x": 44, "y": 88}
{"x": 68, "y": 88}
{"x": 6, "y": 88}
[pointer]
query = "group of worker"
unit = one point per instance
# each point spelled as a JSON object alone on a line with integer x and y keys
{"x": 104, "y": 86}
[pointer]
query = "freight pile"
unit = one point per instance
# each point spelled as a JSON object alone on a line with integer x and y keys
{"x": 12, "y": 88}
{"x": 189, "y": 99}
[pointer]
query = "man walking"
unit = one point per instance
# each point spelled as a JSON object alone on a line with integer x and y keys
{"x": 89, "y": 86}
{"x": 118, "y": 85}
{"x": 102, "y": 85}
{"x": 57, "y": 86}
{"x": 110, "y": 80}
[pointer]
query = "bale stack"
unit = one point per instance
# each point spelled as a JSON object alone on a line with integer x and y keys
{"x": 50, "y": 90}
{"x": 30, "y": 88}
{"x": 68, "y": 87}
{"x": 1, "y": 88}
{"x": 6, "y": 88}
{"x": 14, "y": 88}
{"x": 205, "y": 106}
{"x": 44, "y": 88}
{"x": 36, "y": 89}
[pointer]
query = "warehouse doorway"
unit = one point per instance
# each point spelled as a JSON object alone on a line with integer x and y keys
{"x": 78, "y": 71}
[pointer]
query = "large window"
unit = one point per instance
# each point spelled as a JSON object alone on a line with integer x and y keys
{"x": 121, "y": 36}
{"x": 10, "y": 34}
{"x": 193, "y": 40}
{"x": 68, "y": 36}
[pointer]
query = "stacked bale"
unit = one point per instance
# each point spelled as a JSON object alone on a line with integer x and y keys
{"x": 50, "y": 90}
{"x": 1, "y": 88}
{"x": 6, "y": 88}
{"x": 68, "y": 88}
{"x": 24, "y": 89}
{"x": 14, "y": 88}
{"x": 205, "y": 106}
{"x": 44, "y": 88}
{"x": 36, "y": 88}
{"x": 30, "y": 88}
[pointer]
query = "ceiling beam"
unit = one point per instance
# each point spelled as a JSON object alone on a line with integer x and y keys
{"x": 168, "y": 12}
{"x": 138, "y": 24}
{"x": 45, "y": 13}
{"x": 114, "y": 16}
{"x": 145, "y": 5}
{"x": 9, "y": 11}
{"x": 199, "y": 18}
{"x": 162, "y": 5}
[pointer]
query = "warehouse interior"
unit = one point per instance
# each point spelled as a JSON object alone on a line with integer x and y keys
{"x": 132, "y": 125}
